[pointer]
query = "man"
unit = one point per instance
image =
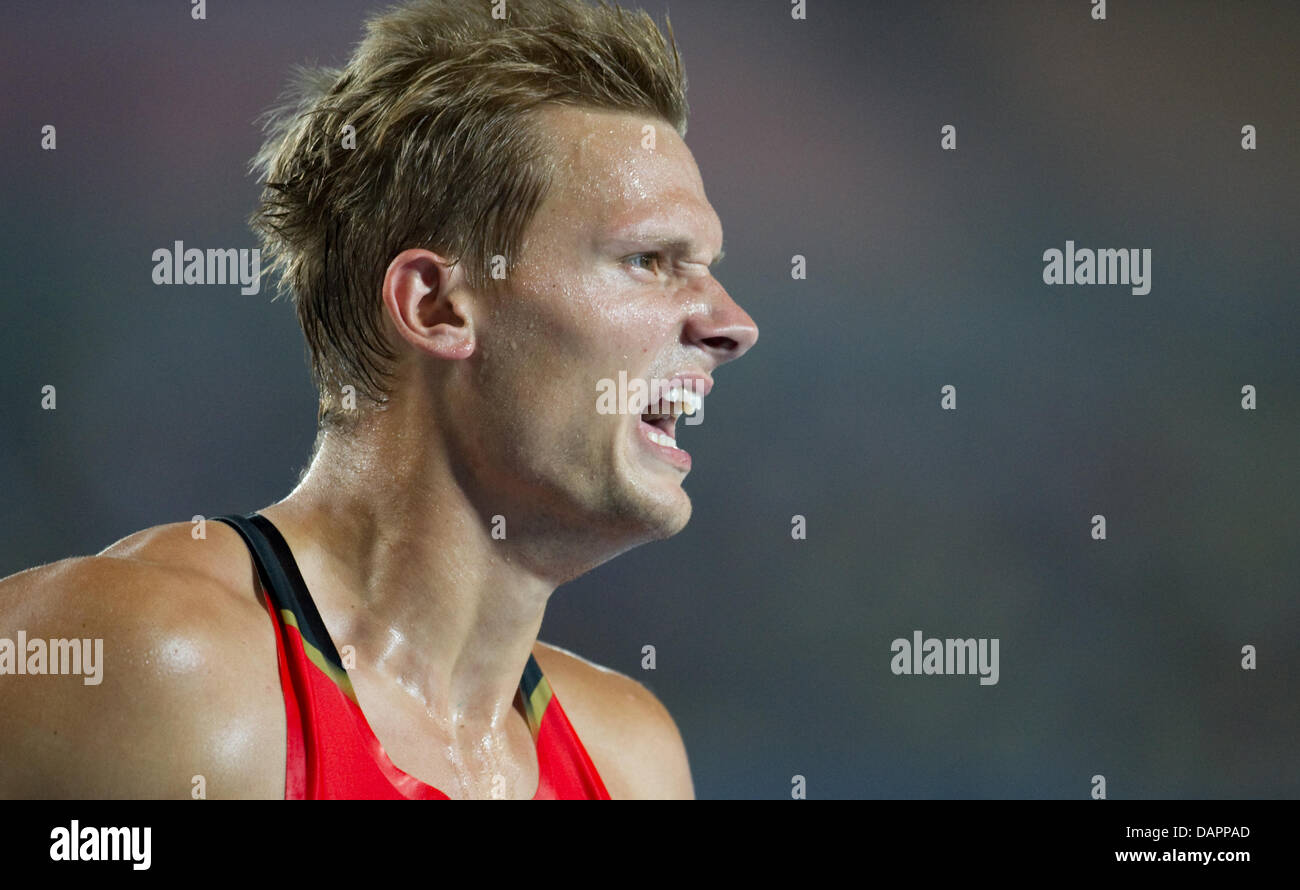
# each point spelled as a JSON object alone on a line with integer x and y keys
{"x": 479, "y": 221}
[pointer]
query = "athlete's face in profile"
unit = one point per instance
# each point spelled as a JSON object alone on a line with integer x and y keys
{"x": 614, "y": 277}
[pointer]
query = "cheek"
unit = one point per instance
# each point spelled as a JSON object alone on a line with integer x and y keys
{"x": 552, "y": 344}
{"x": 534, "y": 400}
{"x": 555, "y": 356}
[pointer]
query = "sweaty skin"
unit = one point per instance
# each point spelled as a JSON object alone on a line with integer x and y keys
{"x": 493, "y": 413}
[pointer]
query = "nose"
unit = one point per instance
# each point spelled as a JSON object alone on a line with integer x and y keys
{"x": 723, "y": 330}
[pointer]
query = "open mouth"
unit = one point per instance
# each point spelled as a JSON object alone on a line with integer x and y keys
{"x": 662, "y": 418}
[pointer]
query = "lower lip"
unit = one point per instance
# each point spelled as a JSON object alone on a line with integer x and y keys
{"x": 675, "y": 456}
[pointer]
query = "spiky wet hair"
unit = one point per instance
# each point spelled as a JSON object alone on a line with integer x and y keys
{"x": 440, "y": 101}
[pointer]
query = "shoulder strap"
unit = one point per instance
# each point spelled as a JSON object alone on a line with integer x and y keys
{"x": 285, "y": 586}
{"x": 536, "y": 690}
{"x": 282, "y": 580}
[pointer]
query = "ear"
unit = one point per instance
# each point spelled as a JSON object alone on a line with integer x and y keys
{"x": 430, "y": 304}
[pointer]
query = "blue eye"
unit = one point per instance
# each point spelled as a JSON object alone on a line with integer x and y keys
{"x": 638, "y": 256}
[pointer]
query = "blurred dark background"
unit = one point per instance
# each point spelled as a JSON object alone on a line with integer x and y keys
{"x": 819, "y": 137}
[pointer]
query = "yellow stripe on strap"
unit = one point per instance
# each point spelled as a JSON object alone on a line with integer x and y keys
{"x": 314, "y": 655}
{"x": 537, "y": 703}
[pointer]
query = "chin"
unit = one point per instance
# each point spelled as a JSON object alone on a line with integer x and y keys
{"x": 641, "y": 516}
{"x": 666, "y": 518}
{"x": 673, "y": 524}
{"x": 645, "y": 501}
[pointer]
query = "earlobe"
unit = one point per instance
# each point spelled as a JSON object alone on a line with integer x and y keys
{"x": 426, "y": 299}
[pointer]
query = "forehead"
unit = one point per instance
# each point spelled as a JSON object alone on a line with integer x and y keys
{"x": 608, "y": 173}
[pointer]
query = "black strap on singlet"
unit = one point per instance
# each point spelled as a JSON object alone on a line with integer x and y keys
{"x": 282, "y": 580}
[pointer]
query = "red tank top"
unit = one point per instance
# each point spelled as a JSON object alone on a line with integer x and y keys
{"x": 332, "y": 751}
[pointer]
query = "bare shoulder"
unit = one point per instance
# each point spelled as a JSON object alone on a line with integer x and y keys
{"x": 144, "y": 673}
{"x": 629, "y": 734}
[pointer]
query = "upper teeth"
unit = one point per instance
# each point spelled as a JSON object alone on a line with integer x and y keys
{"x": 683, "y": 401}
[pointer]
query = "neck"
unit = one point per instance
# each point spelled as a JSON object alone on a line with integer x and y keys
{"x": 406, "y": 569}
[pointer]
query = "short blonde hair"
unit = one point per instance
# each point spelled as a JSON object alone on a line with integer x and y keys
{"x": 448, "y": 156}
